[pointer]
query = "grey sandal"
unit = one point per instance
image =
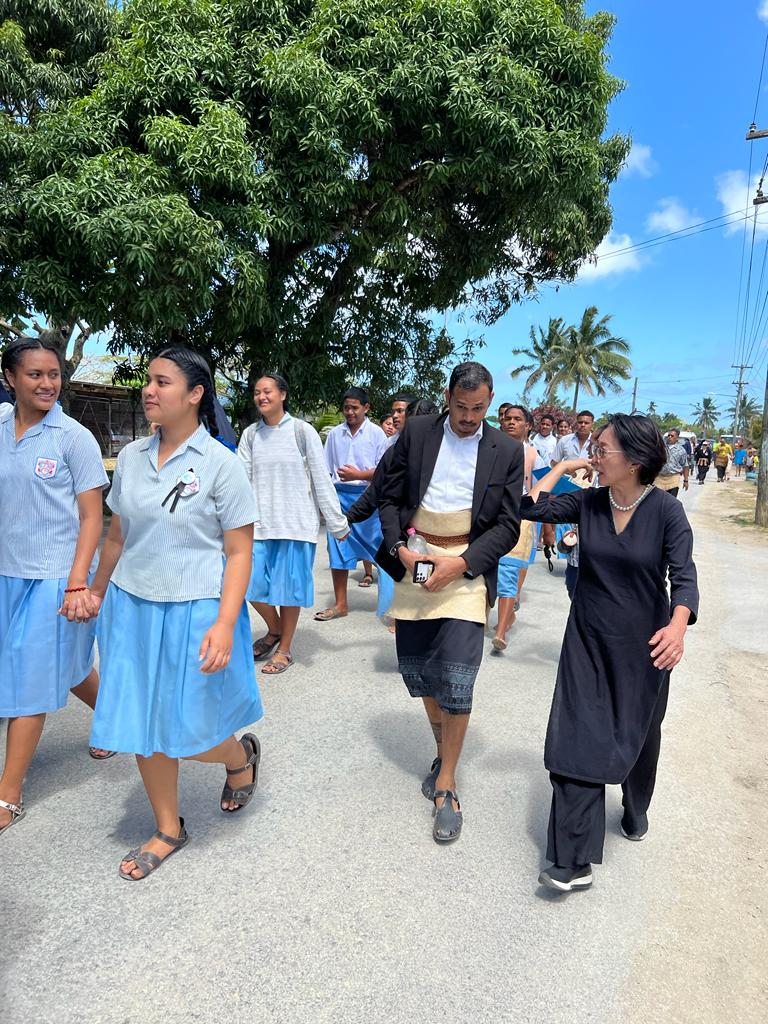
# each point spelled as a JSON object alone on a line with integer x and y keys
{"x": 244, "y": 794}
{"x": 274, "y": 668}
{"x": 146, "y": 861}
{"x": 447, "y": 826}
{"x": 263, "y": 647}
{"x": 17, "y": 813}
{"x": 428, "y": 785}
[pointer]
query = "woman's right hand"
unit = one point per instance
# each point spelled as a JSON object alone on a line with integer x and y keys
{"x": 574, "y": 466}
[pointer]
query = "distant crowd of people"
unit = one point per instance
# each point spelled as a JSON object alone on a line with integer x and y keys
{"x": 450, "y": 510}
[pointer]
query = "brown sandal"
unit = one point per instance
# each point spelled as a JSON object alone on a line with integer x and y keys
{"x": 263, "y": 648}
{"x": 274, "y": 668}
{"x": 243, "y": 795}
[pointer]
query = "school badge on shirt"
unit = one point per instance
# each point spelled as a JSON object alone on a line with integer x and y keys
{"x": 46, "y": 468}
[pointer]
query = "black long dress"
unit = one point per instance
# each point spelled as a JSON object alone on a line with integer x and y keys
{"x": 607, "y": 686}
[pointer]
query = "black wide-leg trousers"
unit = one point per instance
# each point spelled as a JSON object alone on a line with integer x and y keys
{"x": 577, "y": 815}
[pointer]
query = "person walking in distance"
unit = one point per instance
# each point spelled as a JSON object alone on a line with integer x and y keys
{"x": 456, "y": 482}
{"x": 174, "y": 636}
{"x": 50, "y": 507}
{"x": 283, "y": 459}
{"x": 703, "y": 459}
{"x": 352, "y": 452}
{"x": 723, "y": 455}
{"x": 625, "y": 634}
{"x": 675, "y": 468}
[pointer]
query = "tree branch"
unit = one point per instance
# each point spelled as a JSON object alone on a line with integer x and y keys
{"x": 10, "y": 329}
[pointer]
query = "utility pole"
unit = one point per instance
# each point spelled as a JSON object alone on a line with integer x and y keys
{"x": 761, "y": 506}
{"x": 634, "y": 398}
{"x": 741, "y": 367}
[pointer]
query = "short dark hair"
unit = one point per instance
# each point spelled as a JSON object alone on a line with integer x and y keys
{"x": 546, "y": 416}
{"x": 469, "y": 377}
{"x": 12, "y": 356}
{"x": 422, "y": 407}
{"x": 641, "y": 441}
{"x": 356, "y": 394}
{"x": 503, "y": 407}
{"x": 282, "y": 385}
{"x": 385, "y": 417}
{"x": 586, "y": 412}
{"x": 196, "y": 371}
{"x": 523, "y": 410}
{"x": 565, "y": 420}
{"x": 404, "y": 396}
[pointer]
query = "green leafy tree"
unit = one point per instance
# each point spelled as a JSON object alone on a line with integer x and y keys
{"x": 705, "y": 416}
{"x": 49, "y": 54}
{"x": 589, "y": 357}
{"x": 539, "y": 352}
{"x": 299, "y": 185}
{"x": 749, "y": 409}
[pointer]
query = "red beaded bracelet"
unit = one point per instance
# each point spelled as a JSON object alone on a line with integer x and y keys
{"x": 75, "y": 590}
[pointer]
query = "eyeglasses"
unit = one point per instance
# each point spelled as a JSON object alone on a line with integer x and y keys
{"x": 599, "y": 451}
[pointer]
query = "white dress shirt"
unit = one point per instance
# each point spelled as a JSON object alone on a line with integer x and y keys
{"x": 570, "y": 447}
{"x": 362, "y": 449}
{"x": 545, "y": 446}
{"x": 452, "y": 486}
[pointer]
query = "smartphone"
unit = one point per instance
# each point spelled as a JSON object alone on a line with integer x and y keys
{"x": 422, "y": 571}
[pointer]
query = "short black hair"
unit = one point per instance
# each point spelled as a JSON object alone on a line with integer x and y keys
{"x": 586, "y": 412}
{"x": 641, "y": 441}
{"x": 356, "y": 394}
{"x": 404, "y": 396}
{"x": 282, "y": 385}
{"x": 565, "y": 420}
{"x": 503, "y": 407}
{"x": 385, "y": 417}
{"x": 547, "y": 416}
{"x": 469, "y": 377}
{"x": 422, "y": 407}
{"x": 523, "y": 410}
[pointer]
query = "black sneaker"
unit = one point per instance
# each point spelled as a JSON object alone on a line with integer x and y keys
{"x": 635, "y": 830}
{"x": 566, "y": 879}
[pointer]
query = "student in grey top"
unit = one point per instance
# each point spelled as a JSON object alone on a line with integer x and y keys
{"x": 283, "y": 458}
{"x": 669, "y": 478}
{"x": 51, "y": 481}
{"x": 174, "y": 635}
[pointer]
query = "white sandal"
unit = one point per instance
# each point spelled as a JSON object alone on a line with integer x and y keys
{"x": 17, "y": 813}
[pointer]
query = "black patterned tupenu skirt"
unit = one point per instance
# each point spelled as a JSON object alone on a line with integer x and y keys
{"x": 439, "y": 658}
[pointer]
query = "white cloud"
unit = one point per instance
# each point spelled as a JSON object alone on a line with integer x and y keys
{"x": 611, "y": 259}
{"x": 762, "y": 11}
{"x": 734, "y": 196}
{"x": 640, "y": 160}
{"x": 671, "y": 216}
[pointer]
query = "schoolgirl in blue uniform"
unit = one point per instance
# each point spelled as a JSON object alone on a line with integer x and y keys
{"x": 51, "y": 484}
{"x": 174, "y": 635}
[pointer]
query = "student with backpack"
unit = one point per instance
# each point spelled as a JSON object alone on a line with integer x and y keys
{"x": 283, "y": 458}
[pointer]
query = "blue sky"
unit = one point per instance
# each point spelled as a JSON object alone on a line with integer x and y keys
{"x": 692, "y": 73}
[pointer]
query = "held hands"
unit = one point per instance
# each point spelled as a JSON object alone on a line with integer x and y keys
{"x": 216, "y": 648}
{"x": 80, "y": 606}
{"x": 667, "y": 646}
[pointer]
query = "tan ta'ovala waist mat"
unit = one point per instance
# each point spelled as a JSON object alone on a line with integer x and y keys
{"x": 446, "y": 533}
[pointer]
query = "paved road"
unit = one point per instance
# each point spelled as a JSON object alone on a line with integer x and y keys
{"x": 327, "y": 900}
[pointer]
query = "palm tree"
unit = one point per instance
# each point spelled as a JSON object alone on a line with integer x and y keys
{"x": 748, "y": 409}
{"x": 705, "y": 416}
{"x": 652, "y": 410}
{"x": 589, "y": 357}
{"x": 539, "y": 352}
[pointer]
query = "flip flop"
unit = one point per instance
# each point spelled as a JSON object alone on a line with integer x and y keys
{"x": 329, "y": 613}
{"x": 100, "y": 757}
{"x": 366, "y": 581}
{"x": 499, "y": 644}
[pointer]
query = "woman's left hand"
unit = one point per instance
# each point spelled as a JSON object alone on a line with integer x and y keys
{"x": 76, "y": 607}
{"x": 667, "y": 646}
{"x": 216, "y": 648}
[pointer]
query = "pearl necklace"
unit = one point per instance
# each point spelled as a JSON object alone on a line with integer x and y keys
{"x": 635, "y": 503}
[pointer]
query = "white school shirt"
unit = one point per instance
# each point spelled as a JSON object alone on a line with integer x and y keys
{"x": 177, "y": 556}
{"x": 362, "y": 450}
{"x": 452, "y": 486}
{"x": 40, "y": 479}
{"x": 569, "y": 447}
{"x": 545, "y": 446}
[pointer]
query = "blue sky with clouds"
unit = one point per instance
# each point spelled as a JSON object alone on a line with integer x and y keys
{"x": 691, "y": 73}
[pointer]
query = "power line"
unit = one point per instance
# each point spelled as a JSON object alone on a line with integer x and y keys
{"x": 680, "y": 233}
{"x": 760, "y": 83}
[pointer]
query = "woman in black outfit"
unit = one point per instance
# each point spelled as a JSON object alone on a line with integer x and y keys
{"x": 703, "y": 459}
{"x": 624, "y": 636}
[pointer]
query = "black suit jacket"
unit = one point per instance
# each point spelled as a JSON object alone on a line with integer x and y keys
{"x": 496, "y": 499}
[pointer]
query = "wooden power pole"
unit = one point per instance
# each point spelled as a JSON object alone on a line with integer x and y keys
{"x": 761, "y": 507}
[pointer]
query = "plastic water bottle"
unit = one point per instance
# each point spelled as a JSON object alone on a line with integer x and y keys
{"x": 416, "y": 543}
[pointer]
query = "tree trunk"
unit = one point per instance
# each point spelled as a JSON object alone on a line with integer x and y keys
{"x": 576, "y": 394}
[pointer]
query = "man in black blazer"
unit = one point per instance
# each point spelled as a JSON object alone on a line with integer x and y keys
{"x": 450, "y": 465}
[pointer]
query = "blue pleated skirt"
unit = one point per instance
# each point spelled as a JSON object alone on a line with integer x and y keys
{"x": 42, "y": 656}
{"x": 509, "y": 577}
{"x": 153, "y": 698}
{"x": 364, "y": 538}
{"x": 282, "y": 573}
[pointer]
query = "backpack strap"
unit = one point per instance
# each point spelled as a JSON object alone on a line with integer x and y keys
{"x": 301, "y": 438}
